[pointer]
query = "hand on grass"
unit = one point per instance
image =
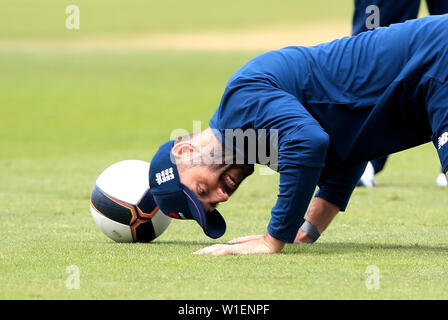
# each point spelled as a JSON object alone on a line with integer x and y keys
{"x": 254, "y": 244}
{"x": 246, "y": 238}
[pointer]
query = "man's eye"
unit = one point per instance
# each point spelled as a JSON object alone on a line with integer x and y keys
{"x": 201, "y": 191}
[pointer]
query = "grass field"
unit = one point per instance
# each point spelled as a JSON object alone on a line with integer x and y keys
{"x": 65, "y": 116}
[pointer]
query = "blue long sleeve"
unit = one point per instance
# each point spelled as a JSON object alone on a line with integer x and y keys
{"x": 297, "y": 186}
{"x": 302, "y": 146}
{"x": 297, "y": 182}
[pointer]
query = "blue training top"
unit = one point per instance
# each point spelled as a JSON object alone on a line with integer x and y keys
{"x": 340, "y": 104}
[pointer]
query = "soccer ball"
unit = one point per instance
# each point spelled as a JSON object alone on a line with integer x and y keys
{"x": 122, "y": 205}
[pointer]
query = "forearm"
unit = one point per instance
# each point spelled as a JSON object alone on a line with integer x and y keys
{"x": 320, "y": 215}
{"x": 335, "y": 189}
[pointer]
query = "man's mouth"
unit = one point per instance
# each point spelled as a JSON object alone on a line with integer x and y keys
{"x": 228, "y": 183}
{"x": 231, "y": 179}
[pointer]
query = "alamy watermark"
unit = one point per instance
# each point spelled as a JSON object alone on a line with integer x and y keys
{"x": 238, "y": 146}
{"x": 73, "y": 280}
{"x": 72, "y": 21}
{"x": 373, "y": 278}
{"x": 373, "y": 20}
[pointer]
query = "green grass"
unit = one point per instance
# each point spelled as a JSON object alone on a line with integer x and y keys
{"x": 64, "y": 118}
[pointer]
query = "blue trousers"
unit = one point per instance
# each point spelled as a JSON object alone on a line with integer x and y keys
{"x": 392, "y": 12}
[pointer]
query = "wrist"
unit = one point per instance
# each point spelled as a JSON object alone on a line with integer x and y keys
{"x": 272, "y": 243}
{"x": 310, "y": 230}
{"x": 302, "y": 237}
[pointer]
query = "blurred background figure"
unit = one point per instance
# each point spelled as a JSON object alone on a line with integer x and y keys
{"x": 371, "y": 14}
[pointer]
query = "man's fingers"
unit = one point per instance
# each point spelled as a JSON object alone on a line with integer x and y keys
{"x": 205, "y": 250}
{"x": 210, "y": 250}
{"x": 221, "y": 252}
{"x": 244, "y": 245}
{"x": 218, "y": 250}
{"x": 245, "y": 239}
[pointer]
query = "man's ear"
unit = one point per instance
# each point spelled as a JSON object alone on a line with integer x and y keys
{"x": 185, "y": 151}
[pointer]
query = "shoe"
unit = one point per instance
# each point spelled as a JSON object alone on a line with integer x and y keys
{"x": 441, "y": 180}
{"x": 368, "y": 177}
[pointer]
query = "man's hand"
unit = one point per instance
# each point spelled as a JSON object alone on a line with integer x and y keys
{"x": 245, "y": 245}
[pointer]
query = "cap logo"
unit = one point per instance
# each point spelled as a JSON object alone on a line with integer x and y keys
{"x": 178, "y": 215}
{"x": 164, "y": 176}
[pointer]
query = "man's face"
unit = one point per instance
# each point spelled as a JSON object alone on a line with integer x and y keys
{"x": 213, "y": 184}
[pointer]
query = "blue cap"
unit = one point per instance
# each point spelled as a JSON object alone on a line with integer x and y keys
{"x": 175, "y": 199}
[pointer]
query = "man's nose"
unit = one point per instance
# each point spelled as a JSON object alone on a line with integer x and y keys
{"x": 221, "y": 196}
